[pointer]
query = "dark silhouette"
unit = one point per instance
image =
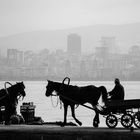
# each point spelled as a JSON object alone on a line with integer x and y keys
{"x": 9, "y": 98}
{"x": 117, "y": 92}
{"x": 71, "y": 95}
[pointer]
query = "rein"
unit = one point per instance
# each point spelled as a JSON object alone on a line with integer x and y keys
{"x": 61, "y": 88}
{"x": 77, "y": 102}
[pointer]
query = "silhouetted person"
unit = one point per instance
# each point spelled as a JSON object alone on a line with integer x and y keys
{"x": 117, "y": 92}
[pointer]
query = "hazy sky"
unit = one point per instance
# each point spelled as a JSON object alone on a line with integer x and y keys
{"x": 26, "y": 15}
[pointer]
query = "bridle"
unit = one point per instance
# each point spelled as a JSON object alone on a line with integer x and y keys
{"x": 19, "y": 96}
{"x": 56, "y": 95}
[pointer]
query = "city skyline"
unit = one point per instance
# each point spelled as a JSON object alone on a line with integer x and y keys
{"x": 103, "y": 64}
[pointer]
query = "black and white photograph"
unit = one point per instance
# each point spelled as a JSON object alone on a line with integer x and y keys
{"x": 69, "y": 69}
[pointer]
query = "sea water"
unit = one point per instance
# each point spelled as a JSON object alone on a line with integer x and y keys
{"x": 50, "y": 110}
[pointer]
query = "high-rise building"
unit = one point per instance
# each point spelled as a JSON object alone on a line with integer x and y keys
{"x": 15, "y": 56}
{"x": 74, "y": 44}
{"x": 20, "y": 57}
{"x": 109, "y": 43}
{"x": 101, "y": 52}
{"x": 12, "y": 56}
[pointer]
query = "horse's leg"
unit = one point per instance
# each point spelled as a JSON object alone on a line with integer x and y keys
{"x": 7, "y": 115}
{"x": 73, "y": 115}
{"x": 96, "y": 120}
{"x": 65, "y": 114}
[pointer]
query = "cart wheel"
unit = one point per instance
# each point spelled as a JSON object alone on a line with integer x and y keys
{"x": 126, "y": 120}
{"x": 137, "y": 119}
{"x": 111, "y": 121}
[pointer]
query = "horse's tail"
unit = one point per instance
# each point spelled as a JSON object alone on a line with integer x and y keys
{"x": 104, "y": 93}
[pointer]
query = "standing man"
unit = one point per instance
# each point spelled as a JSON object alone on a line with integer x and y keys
{"x": 117, "y": 92}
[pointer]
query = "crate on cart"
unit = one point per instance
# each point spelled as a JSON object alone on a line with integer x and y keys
{"x": 27, "y": 110}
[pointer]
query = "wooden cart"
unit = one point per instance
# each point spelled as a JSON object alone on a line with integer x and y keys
{"x": 125, "y": 111}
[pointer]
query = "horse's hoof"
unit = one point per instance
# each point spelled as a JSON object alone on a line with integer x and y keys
{"x": 95, "y": 124}
{"x": 63, "y": 124}
{"x": 80, "y": 123}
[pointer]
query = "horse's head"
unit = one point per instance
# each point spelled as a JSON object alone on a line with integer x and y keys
{"x": 20, "y": 89}
{"x": 49, "y": 88}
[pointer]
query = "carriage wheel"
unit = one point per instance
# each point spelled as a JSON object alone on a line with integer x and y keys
{"x": 137, "y": 119}
{"x": 111, "y": 121}
{"x": 126, "y": 120}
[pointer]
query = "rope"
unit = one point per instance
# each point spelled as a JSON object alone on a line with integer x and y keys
{"x": 52, "y": 101}
{"x": 58, "y": 99}
{"x": 6, "y": 87}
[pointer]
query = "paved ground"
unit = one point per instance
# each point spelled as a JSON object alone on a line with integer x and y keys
{"x": 53, "y": 128}
{"x": 52, "y": 132}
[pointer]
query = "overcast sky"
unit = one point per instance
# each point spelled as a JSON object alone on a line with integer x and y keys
{"x": 26, "y": 15}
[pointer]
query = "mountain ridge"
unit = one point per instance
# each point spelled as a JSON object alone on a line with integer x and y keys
{"x": 126, "y": 36}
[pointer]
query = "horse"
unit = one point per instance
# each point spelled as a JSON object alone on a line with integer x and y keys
{"x": 72, "y": 95}
{"x": 9, "y": 99}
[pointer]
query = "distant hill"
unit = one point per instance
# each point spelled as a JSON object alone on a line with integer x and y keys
{"x": 126, "y": 36}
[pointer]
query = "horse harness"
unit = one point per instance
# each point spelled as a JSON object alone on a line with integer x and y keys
{"x": 77, "y": 103}
{"x": 7, "y": 93}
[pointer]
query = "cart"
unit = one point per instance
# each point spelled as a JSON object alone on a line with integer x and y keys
{"x": 127, "y": 112}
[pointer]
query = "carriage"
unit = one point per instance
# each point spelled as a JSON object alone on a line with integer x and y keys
{"x": 127, "y": 112}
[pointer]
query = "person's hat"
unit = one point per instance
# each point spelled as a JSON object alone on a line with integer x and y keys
{"x": 117, "y": 80}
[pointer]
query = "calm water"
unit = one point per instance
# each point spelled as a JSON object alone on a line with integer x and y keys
{"x": 35, "y": 91}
